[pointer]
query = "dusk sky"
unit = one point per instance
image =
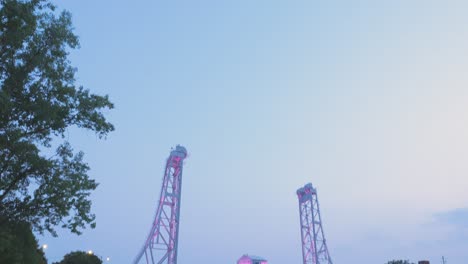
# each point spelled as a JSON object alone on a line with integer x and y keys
{"x": 368, "y": 100}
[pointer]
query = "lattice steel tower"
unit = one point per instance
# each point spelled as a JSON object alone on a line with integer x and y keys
{"x": 161, "y": 245}
{"x": 314, "y": 246}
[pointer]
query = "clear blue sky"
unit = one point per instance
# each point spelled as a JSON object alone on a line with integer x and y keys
{"x": 367, "y": 100}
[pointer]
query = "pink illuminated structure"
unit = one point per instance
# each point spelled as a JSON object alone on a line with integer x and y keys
{"x": 314, "y": 246}
{"x": 246, "y": 259}
{"x": 161, "y": 245}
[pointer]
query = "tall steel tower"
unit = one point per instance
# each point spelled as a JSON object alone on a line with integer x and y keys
{"x": 314, "y": 246}
{"x": 161, "y": 245}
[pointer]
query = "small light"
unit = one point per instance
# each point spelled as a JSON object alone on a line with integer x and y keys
{"x": 90, "y": 252}
{"x": 44, "y": 246}
{"x": 107, "y": 259}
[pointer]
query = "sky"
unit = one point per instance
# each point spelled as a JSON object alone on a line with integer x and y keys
{"x": 365, "y": 99}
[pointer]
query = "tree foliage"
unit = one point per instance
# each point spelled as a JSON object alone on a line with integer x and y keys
{"x": 80, "y": 257}
{"x": 39, "y": 101}
{"x": 18, "y": 244}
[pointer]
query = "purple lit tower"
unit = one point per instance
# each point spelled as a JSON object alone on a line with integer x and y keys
{"x": 314, "y": 246}
{"x": 161, "y": 245}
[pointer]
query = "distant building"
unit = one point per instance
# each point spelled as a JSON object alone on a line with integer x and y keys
{"x": 246, "y": 259}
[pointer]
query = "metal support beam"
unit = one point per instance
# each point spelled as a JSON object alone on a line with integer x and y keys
{"x": 314, "y": 246}
{"x": 161, "y": 244}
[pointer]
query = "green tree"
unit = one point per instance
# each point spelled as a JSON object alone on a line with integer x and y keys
{"x": 18, "y": 244}
{"x": 39, "y": 101}
{"x": 80, "y": 257}
{"x": 399, "y": 262}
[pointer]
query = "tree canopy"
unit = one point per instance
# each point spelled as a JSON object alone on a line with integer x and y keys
{"x": 39, "y": 101}
{"x": 80, "y": 257}
{"x": 18, "y": 244}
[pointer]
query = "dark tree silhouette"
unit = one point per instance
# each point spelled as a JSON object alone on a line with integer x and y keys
{"x": 38, "y": 103}
{"x": 18, "y": 244}
{"x": 80, "y": 257}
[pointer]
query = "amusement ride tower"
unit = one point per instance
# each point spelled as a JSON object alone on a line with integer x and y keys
{"x": 161, "y": 245}
{"x": 314, "y": 246}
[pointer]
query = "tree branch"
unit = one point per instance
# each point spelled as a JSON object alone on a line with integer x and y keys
{"x": 10, "y": 187}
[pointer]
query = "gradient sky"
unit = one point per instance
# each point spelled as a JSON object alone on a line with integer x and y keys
{"x": 367, "y": 100}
